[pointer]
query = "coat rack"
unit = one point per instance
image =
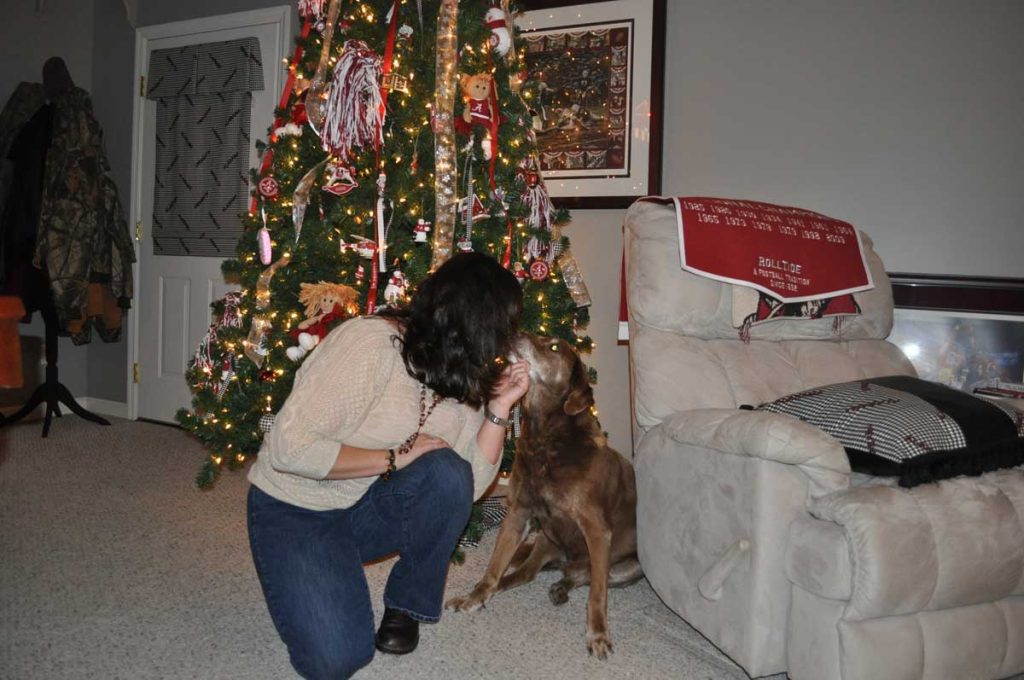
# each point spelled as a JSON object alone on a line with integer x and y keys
{"x": 51, "y": 392}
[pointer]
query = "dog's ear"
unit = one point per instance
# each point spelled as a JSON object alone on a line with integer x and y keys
{"x": 581, "y": 395}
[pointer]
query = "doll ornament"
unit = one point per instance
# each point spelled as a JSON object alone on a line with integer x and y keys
{"x": 326, "y": 304}
{"x": 476, "y": 91}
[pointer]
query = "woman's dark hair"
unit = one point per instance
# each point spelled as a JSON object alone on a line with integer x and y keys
{"x": 462, "y": 317}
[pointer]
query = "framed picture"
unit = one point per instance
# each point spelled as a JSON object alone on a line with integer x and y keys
{"x": 598, "y": 112}
{"x": 965, "y": 332}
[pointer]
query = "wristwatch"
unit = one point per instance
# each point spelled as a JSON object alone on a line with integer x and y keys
{"x": 502, "y": 422}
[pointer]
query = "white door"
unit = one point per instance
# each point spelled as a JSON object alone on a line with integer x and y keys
{"x": 174, "y": 293}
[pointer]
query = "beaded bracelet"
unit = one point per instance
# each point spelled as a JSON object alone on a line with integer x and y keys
{"x": 386, "y": 475}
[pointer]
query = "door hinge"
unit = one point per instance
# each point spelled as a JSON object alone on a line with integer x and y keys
{"x": 136, "y": 372}
{"x": 142, "y": 86}
{"x": 138, "y": 230}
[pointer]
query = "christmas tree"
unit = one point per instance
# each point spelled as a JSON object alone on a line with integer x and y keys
{"x": 404, "y": 133}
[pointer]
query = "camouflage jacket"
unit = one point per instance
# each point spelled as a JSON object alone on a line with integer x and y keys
{"x": 82, "y": 237}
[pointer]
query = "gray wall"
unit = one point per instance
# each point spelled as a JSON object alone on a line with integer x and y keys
{"x": 161, "y": 12}
{"x": 901, "y": 117}
{"x": 904, "y": 118}
{"x": 62, "y": 29}
{"x": 113, "y": 89}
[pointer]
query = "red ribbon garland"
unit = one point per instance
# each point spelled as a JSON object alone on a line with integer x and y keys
{"x": 389, "y": 56}
{"x": 506, "y": 259}
{"x": 289, "y": 83}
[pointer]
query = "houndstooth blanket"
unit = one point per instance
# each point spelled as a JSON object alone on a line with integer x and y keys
{"x": 917, "y": 430}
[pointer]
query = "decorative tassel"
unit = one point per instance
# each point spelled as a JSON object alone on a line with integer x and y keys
{"x": 744, "y": 330}
{"x": 542, "y": 210}
{"x": 354, "y": 113}
{"x": 311, "y": 9}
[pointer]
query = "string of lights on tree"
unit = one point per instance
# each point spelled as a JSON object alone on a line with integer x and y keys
{"x": 352, "y": 209}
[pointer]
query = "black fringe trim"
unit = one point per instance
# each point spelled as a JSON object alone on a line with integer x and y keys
{"x": 936, "y": 465}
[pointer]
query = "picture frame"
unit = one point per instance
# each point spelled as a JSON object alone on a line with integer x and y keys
{"x": 599, "y": 131}
{"x": 964, "y": 332}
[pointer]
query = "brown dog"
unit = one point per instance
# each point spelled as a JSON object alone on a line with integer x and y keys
{"x": 572, "y": 498}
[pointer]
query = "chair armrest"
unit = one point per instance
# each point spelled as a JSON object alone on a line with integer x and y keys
{"x": 953, "y": 543}
{"x": 769, "y": 436}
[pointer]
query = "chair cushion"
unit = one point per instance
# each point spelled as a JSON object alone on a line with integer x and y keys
{"x": 917, "y": 430}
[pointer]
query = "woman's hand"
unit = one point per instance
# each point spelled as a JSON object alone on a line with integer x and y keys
{"x": 510, "y": 388}
{"x": 422, "y": 444}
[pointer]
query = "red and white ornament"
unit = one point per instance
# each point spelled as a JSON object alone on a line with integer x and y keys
{"x": 395, "y": 290}
{"x": 471, "y": 208}
{"x": 501, "y": 38}
{"x": 360, "y": 273}
{"x": 465, "y": 244}
{"x": 363, "y": 246}
{"x": 289, "y": 130}
{"x": 340, "y": 179}
{"x": 539, "y": 270}
{"x": 268, "y": 188}
{"x": 226, "y": 374}
{"x": 420, "y": 231}
{"x": 519, "y": 271}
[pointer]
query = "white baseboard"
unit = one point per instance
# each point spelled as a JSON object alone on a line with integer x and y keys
{"x": 115, "y": 409}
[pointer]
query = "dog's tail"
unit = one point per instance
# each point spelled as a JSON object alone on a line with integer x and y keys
{"x": 625, "y": 572}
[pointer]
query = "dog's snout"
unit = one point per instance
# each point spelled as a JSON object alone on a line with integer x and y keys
{"x": 519, "y": 347}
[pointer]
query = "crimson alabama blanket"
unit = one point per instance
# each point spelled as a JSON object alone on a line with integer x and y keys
{"x": 790, "y": 254}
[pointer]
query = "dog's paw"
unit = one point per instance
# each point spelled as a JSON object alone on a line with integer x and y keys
{"x": 467, "y": 603}
{"x": 559, "y": 593}
{"x": 599, "y": 644}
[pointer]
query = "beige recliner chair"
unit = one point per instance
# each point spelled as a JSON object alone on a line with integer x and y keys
{"x": 752, "y": 526}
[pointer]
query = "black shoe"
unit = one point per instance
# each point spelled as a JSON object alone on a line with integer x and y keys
{"x": 398, "y": 633}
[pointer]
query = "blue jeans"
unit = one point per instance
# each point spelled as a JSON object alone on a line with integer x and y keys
{"x": 310, "y": 563}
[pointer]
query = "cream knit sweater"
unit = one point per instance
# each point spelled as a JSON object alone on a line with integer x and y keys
{"x": 353, "y": 389}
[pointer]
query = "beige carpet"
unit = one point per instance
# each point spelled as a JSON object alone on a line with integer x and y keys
{"x": 113, "y": 565}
